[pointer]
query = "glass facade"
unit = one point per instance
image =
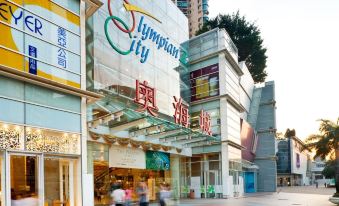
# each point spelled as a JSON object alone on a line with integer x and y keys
{"x": 118, "y": 73}
{"x": 284, "y": 157}
{"x": 34, "y": 106}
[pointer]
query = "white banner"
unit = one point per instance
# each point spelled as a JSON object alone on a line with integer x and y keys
{"x": 127, "y": 157}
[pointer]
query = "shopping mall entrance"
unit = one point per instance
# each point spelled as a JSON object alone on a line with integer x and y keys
{"x": 128, "y": 178}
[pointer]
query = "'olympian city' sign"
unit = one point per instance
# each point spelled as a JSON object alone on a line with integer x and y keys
{"x": 146, "y": 33}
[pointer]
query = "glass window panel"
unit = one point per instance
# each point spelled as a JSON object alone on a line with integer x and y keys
{"x": 11, "y": 38}
{"x": 51, "y": 118}
{"x": 8, "y": 85}
{"x": 11, "y": 111}
{"x": 56, "y": 13}
{"x": 52, "y": 98}
{"x": 11, "y": 59}
{"x": 71, "y": 63}
{"x": 55, "y": 74}
{"x": 72, "y": 5}
{"x": 24, "y": 184}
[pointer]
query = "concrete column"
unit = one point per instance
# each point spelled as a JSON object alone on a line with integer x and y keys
{"x": 225, "y": 170}
{"x": 175, "y": 176}
{"x": 85, "y": 196}
{"x": 205, "y": 172}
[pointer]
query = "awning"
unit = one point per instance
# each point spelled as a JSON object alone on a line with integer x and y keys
{"x": 115, "y": 119}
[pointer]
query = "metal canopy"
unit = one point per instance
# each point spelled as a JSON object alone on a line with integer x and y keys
{"x": 117, "y": 114}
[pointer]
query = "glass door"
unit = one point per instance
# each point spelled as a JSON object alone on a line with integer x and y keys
{"x": 212, "y": 182}
{"x": 24, "y": 180}
{"x": 59, "y": 181}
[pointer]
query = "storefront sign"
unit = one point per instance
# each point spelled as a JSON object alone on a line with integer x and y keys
{"x": 205, "y": 122}
{"x": 145, "y": 32}
{"x": 126, "y": 157}
{"x": 145, "y": 97}
{"x": 181, "y": 115}
{"x": 205, "y": 82}
{"x": 41, "y": 38}
{"x": 157, "y": 160}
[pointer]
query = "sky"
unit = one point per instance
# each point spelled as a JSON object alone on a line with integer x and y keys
{"x": 302, "y": 39}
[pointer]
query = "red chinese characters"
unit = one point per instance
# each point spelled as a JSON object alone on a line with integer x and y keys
{"x": 181, "y": 115}
{"x": 145, "y": 96}
{"x": 205, "y": 122}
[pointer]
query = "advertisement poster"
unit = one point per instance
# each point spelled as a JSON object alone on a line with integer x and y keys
{"x": 205, "y": 82}
{"x": 126, "y": 157}
{"x": 157, "y": 160}
{"x": 41, "y": 38}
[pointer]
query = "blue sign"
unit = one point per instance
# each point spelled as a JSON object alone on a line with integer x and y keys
{"x": 32, "y": 52}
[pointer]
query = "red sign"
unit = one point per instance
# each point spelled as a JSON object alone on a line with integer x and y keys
{"x": 205, "y": 122}
{"x": 181, "y": 115}
{"x": 145, "y": 96}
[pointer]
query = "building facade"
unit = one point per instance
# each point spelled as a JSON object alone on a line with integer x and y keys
{"x": 262, "y": 118}
{"x": 139, "y": 131}
{"x": 43, "y": 102}
{"x": 196, "y": 12}
{"x": 293, "y": 164}
{"x": 212, "y": 83}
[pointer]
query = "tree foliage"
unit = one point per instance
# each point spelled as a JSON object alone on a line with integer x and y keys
{"x": 326, "y": 144}
{"x": 329, "y": 170}
{"x": 246, "y": 37}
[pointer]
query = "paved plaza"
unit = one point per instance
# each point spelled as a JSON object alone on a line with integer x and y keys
{"x": 289, "y": 196}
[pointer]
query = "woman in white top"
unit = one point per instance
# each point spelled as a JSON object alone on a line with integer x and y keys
{"x": 118, "y": 196}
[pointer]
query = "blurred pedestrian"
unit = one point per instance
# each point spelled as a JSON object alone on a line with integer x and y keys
{"x": 118, "y": 196}
{"x": 128, "y": 198}
{"x": 142, "y": 191}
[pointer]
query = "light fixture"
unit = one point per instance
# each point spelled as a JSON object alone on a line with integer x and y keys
{"x": 17, "y": 128}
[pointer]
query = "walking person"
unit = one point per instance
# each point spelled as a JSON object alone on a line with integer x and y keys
{"x": 142, "y": 191}
{"x": 118, "y": 196}
{"x": 163, "y": 194}
{"x": 128, "y": 198}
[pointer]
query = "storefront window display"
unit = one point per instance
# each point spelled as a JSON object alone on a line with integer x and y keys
{"x": 46, "y": 174}
{"x": 127, "y": 167}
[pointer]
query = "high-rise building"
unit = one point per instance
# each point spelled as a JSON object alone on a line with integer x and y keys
{"x": 196, "y": 12}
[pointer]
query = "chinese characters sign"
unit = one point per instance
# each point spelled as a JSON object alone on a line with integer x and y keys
{"x": 40, "y": 40}
{"x": 181, "y": 115}
{"x": 205, "y": 122}
{"x": 145, "y": 96}
{"x": 62, "y": 42}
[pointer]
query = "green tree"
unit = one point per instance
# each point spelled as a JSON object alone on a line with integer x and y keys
{"x": 329, "y": 170}
{"x": 326, "y": 144}
{"x": 246, "y": 37}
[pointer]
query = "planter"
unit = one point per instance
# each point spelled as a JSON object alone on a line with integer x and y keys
{"x": 334, "y": 200}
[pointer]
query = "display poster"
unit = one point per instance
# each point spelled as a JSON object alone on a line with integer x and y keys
{"x": 157, "y": 160}
{"x": 204, "y": 82}
{"x": 42, "y": 38}
{"x": 126, "y": 157}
